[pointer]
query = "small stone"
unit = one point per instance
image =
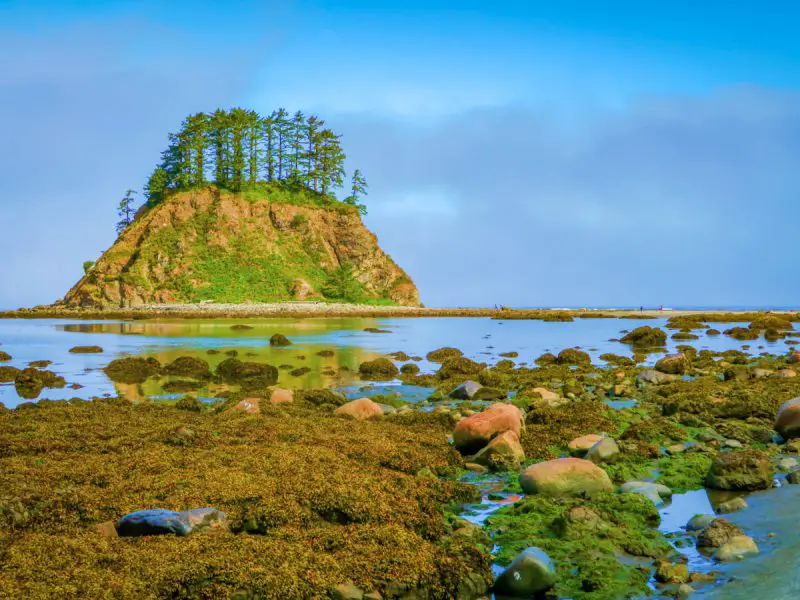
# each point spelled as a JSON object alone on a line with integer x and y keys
{"x": 666, "y": 572}
{"x": 676, "y": 449}
{"x": 475, "y": 467}
{"x": 699, "y": 522}
{"x": 466, "y": 391}
{"x": 163, "y": 522}
{"x": 787, "y": 464}
{"x": 794, "y": 477}
{"x": 251, "y": 406}
{"x": 654, "y": 492}
{"x": 684, "y": 591}
{"x": 281, "y": 396}
{"x": 360, "y": 409}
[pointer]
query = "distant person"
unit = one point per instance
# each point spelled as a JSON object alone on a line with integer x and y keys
{"x": 641, "y": 309}
{"x": 661, "y": 307}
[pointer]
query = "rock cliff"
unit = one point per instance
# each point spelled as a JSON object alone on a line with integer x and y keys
{"x": 210, "y": 245}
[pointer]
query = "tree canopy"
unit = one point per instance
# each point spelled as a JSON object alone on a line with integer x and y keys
{"x": 239, "y": 148}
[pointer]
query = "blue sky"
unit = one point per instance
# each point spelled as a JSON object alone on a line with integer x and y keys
{"x": 523, "y": 153}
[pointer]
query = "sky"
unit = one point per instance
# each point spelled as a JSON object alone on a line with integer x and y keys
{"x": 534, "y": 153}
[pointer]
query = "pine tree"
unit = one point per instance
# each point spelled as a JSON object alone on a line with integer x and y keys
{"x": 297, "y": 139}
{"x": 331, "y": 161}
{"x": 156, "y": 185}
{"x": 220, "y": 133}
{"x": 254, "y": 133}
{"x": 238, "y": 119}
{"x": 126, "y": 211}
{"x": 268, "y": 125}
{"x": 282, "y": 130}
{"x": 196, "y": 127}
{"x": 311, "y": 177}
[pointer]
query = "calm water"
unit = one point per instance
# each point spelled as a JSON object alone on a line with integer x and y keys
{"x": 480, "y": 339}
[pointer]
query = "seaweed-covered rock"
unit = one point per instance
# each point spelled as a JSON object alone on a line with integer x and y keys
{"x": 718, "y": 533}
{"x": 461, "y": 366}
{"x": 409, "y": 369}
{"x": 617, "y": 360}
{"x": 742, "y": 333}
{"x": 674, "y": 364}
{"x": 132, "y": 369}
{"x": 794, "y": 357}
{"x": 360, "y": 409}
{"x": 30, "y": 382}
{"x": 777, "y": 322}
{"x": 548, "y": 358}
{"x": 281, "y": 396}
{"x": 279, "y": 340}
{"x": 502, "y": 453}
{"x": 565, "y": 477}
{"x": 188, "y": 366}
{"x": 86, "y": 349}
{"x": 190, "y": 403}
{"x": 5, "y": 356}
{"x": 645, "y": 337}
{"x": 476, "y": 431}
{"x": 165, "y": 522}
{"x": 442, "y": 354}
{"x": 8, "y": 374}
{"x": 378, "y": 369}
{"x": 320, "y": 397}
{"x": 249, "y": 375}
{"x": 787, "y": 423}
{"x": 531, "y": 573}
{"x": 573, "y": 356}
{"x": 746, "y": 470}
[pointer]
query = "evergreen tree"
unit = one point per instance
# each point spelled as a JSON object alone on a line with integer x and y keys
{"x": 297, "y": 141}
{"x": 197, "y": 129}
{"x": 268, "y": 125}
{"x": 311, "y": 178}
{"x": 220, "y": 134}
{"x": 238, "y": 120}
{"x": 358, "y": 188}
{"x": 341, "y": 284}
{"x": 156, "y": 184}
{"x": 126, "y": 211}
{"x": 282, "y": 130}
{"x": 254, "y": 133}
{"x": 331, "y": 161}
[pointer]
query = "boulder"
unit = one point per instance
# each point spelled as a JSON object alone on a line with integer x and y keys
{"x": 787, "y": 423}
{"x": 674, "y": 364}
{"x": 249, "y": 375}
{"x": 741, "y": 470}
{"x": 163, "y": 522}
{"x": 699, "y": 522}
{"x": 466, "y": 390}
{"x": 5, "y": 356}
{"x": 459, "y": 367}
{"x": 785, "y": 373}
{"x": 503, "y": 452}
{"x": 573, "y": 356}
{"x": 279, "y": 340}
{"x": 347, "y": 591}
{"x": 655, "y": 492}
{"x": 717, "y": 534}
{"x": 442, "y": 354}
{"x": 604, "y": 451}
{"x": 645, "y": 337}
{"x": 409, "y": 369}
{"x": 655, "y": 377}
{"x": 378, "y": 369}
{"x": 530, "y": 573}
{"x": 132, "y": 369}
{"x": 8, "y": 374}
{"x": 281, "y": 396}
{"x": 737, "y": 548}
{"x": 546, "y": 394}
{"x": 565, "y": 477}
{"x": 107, "y": 529}
{"x": 86, "y": 350}
{"x": 794, "y": 357}
{"x": 360, "y": 409}
{"x": 474, "y": 432}
{"x": 581, "y": 445}
{"x": 188, "y": 366}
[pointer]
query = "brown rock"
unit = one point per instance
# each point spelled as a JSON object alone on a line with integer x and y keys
{"x": 106, "y": 529}
{"x": 581, "y": 445}
{"x": 565, "y": 477}
{"x": 281, "y": 396}
{"x": 503, "y": 452}
{"x": 474, "y": 432}
{"x": 360, "y": 409}
{"x": 251, "y": 406}
{"x": 787, "y": 423}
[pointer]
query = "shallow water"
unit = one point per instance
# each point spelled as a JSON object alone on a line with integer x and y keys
{"x": 480, "y": 339}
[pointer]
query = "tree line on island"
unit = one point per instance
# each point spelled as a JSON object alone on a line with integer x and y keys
{"x": 240, "y": 149}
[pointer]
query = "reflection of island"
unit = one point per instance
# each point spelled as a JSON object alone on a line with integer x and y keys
{"x": 307, "y": 367}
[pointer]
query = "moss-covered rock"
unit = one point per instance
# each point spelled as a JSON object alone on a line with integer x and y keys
{"x": 279, "y": 340}
{"x": 86, "y": 350}
{"x": 442, "y": 354}
{"x": 746, "y": 470}
{"x": 459, "y": 367}
{"x": 645, "y": 337}
{"x": 378, "y": 369}
{"x": 132, "y": 369}
{"x": 248, "y": 375}
{"x": 573, "y": 356}
{"x": 188, "y": 366}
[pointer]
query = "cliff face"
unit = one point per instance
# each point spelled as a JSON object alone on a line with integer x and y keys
{"x": 212, "y": 245}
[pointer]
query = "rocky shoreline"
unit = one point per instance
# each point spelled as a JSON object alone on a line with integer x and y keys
{"x": 295, "y": 310}
{"x": 271, "y": 492}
